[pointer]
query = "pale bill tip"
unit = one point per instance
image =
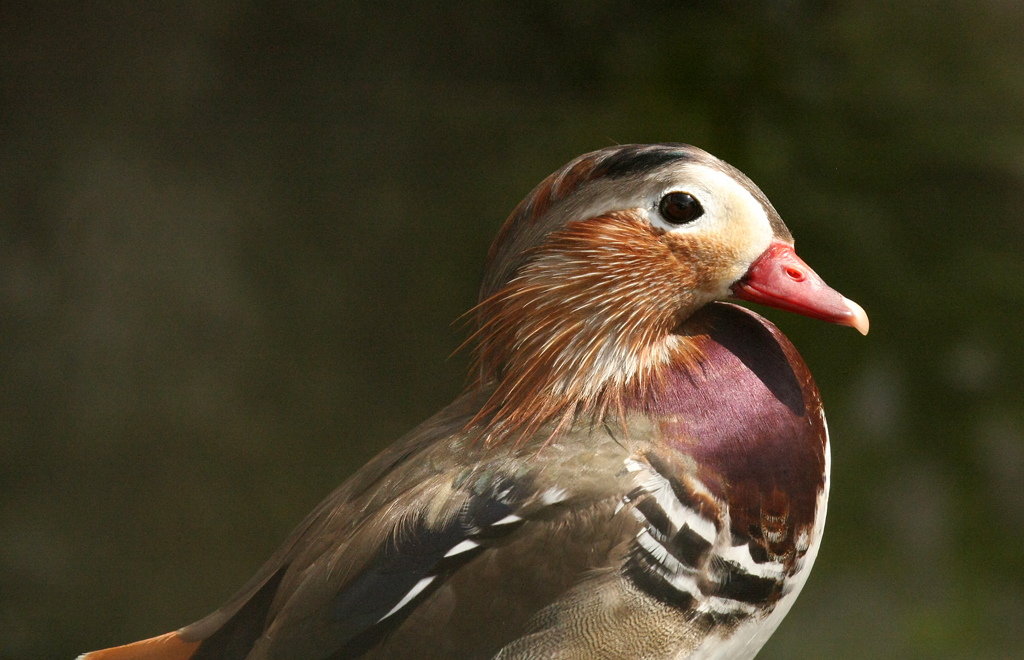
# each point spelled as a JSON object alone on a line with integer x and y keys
{"x": 860, "y": 317}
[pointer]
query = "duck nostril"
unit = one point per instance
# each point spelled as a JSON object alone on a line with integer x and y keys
{"x": 795, "y": 274}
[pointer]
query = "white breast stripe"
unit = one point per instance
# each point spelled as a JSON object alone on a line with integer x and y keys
{"x": 681, "y": 577}
{"x": 716, "y": 605}
{"x": 664, "y": 559}
{"x": 679, "y": 515}
{"x": 507, "y": 520}
{"x": 633, "y": 465}
{"x": 740, "y": 555}
{"x": 744, "y": 642}
{"x": 684, "y": 579}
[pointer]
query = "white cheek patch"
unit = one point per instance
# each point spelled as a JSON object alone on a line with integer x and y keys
{"x": 733, "y": 218}
{"x": 744, "y": 225}
{"x": 733, "y": 222}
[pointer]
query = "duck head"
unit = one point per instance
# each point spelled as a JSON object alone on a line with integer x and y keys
{"x": 590, "y": 282}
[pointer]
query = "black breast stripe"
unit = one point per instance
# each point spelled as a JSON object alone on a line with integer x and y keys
{"x": 736, "y": 584}
{"x": 673, "y": 559}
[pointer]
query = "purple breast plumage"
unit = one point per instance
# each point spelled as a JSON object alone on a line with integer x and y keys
{"x": 732, "y": 497}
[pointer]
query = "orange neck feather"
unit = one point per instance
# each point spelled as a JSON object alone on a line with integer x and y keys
{"x": 584, "y": 328}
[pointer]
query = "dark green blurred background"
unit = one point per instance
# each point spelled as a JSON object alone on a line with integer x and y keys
{"x": 234, "y": 237}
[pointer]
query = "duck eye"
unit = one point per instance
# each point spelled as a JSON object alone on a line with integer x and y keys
{"x": 678, "y": 208}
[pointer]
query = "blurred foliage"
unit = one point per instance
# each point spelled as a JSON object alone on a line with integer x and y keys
{"x": 234, "y": 236}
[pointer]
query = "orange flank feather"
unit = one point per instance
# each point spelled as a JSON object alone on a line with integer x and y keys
{"x": 164, "y": 647}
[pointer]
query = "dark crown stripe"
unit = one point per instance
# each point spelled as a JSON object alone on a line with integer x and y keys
{"x": 635, "y": 160}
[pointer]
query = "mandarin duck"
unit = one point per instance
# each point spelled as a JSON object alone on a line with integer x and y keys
{"x": 637, "y": 471}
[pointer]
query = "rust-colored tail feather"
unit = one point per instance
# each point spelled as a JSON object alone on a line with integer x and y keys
{"x": 164, "y": 647}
